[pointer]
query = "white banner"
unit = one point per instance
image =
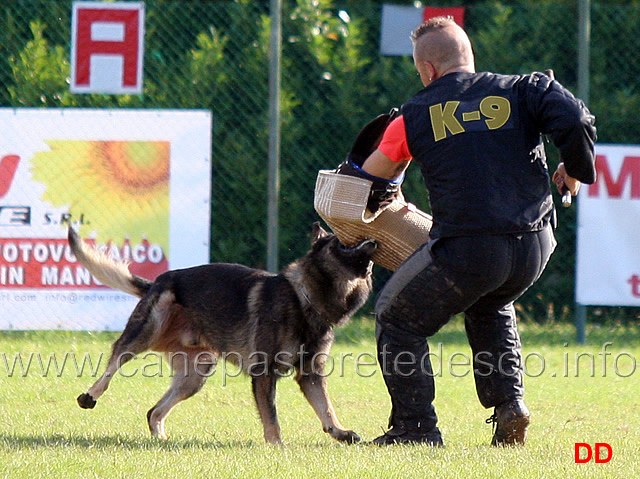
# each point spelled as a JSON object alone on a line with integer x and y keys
{"x": 134, "y": 181}
{"x": 608, "y": 256}
{"x": 398, "y": 21}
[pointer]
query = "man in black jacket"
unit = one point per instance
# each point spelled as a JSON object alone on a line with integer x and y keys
{"x": 478, "y": 140}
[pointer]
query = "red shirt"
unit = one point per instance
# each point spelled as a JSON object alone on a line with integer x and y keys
{"x": 394, "y": 141}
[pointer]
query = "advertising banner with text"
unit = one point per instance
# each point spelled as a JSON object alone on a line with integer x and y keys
{"x": 608, "y": 256}
{"x": 134, "y": 182}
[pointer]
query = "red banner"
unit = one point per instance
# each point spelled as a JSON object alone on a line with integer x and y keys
{"x": 49, "y": 263}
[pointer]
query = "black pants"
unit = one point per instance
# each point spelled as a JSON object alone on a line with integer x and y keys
{"x": 481, "y": 276}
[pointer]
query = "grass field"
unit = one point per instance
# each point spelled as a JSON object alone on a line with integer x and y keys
{"x": 576, "y": 393}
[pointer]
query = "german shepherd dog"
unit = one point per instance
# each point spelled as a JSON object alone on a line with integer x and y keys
{"x": 269, "y": 325}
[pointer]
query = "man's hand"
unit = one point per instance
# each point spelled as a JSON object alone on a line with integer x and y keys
{"x": 562, "y": 180}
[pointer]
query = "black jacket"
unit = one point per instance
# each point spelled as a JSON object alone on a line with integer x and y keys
{"x": 478, "y": 140}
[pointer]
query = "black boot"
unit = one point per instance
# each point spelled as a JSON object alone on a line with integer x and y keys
{"x": 511, "y": 421}
{"x": 396, "y": 435}
{"x": 408, "y": 375}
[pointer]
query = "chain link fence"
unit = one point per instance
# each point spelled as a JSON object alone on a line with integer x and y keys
{"x": 214, "y": 55}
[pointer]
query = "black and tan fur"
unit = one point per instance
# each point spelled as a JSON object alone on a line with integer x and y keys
{"x": 265, "y": 323}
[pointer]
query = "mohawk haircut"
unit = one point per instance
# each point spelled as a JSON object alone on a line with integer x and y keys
{"x": 433, "y": 24}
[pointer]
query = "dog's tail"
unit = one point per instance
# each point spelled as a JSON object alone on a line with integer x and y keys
{"x": 109, "y": 272}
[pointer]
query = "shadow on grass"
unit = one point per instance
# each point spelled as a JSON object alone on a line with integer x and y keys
{"x": 361, "y": 330}
{"x": 21, "y": 442}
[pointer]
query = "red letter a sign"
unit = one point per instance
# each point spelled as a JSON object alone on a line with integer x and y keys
{"x": 107, "y": 47}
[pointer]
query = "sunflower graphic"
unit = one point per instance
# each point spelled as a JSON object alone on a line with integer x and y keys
{"x": 120, "y": 187}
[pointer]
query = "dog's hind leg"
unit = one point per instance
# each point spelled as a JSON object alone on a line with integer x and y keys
{"x": 135, "y": 339}
{"x": 264, "y": 392}
{"x": 314, "y": 388}
{"x": 190, "y": 372}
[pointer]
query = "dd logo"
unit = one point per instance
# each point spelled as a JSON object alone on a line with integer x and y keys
{"x": 589, "y": 454}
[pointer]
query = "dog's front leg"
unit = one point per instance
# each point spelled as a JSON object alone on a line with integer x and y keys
{"x": 264, "y": 392}
{"x": 314, "y": 388}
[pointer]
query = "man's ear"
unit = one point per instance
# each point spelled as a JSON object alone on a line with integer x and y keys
{"x": 432, "y": 72}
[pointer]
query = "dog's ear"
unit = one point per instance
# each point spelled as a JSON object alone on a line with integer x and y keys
{"x": 317, "y": 232}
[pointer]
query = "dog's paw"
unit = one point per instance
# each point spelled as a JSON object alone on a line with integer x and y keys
{"x": 85, "y": 401}
{"x": 160, "y": 435}
{"x": 349, "y": 437}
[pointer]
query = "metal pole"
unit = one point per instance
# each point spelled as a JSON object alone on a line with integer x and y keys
{"x": 584, "y": 39}
{"x": 581, "y": 323}
{"x": 275, "y": 46}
